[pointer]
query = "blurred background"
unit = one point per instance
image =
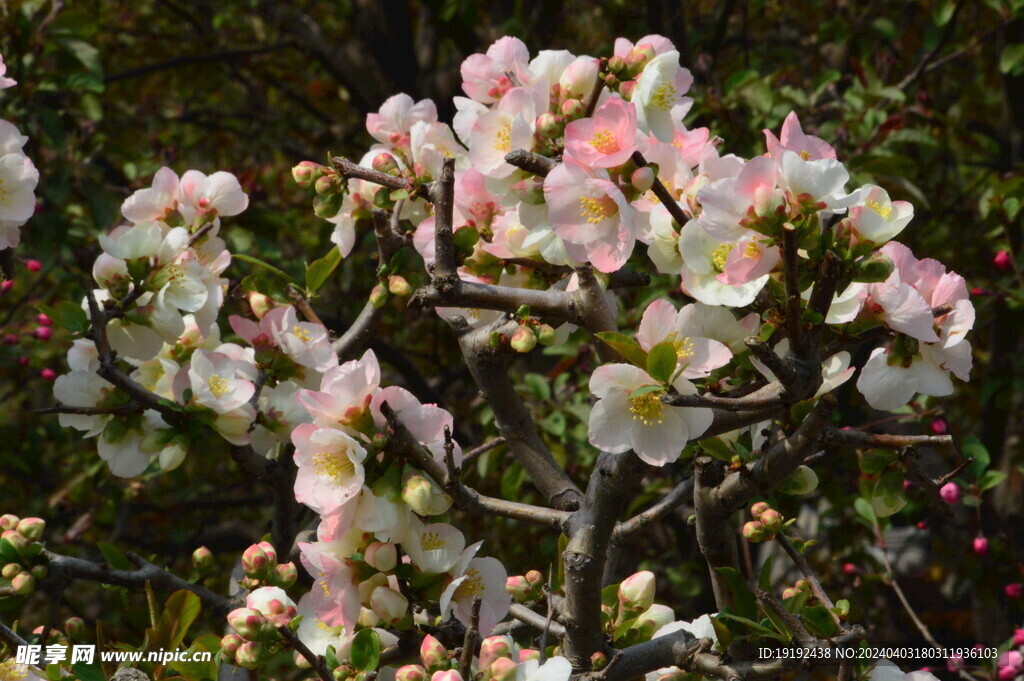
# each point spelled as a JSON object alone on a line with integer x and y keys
{"x": 923, "y": 97}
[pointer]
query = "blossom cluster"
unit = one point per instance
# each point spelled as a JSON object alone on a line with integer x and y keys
{"x": 18, "y": 177}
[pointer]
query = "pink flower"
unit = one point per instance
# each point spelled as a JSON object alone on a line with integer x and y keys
{"x": 334, "y": 597}
{"x": 950, "y": 493}
{"x": 392, "y": 124}
{"x": 591, "y": 215}
{"x": 506, "y": 127}
{"x": 426, "y": 422}
{"x": 729, "y": 201}
{"x": 218, "y": 194}
{"x": 876, "y": 218}
{"x": 5, "y": 82}
{"x": 792, "y": 138}
{"x": 1010, "y": 664}
{"x": 485, "y": 77}
{"x": 154, "y": 202}
{"x": 606, "y": 140}
{"x": 330, "y": 467}
{"x": 697, "y": 357}
{"x": 345, "y": 393}
{"x": 1003, "y": 260}
{"x": 477, "y": 577}
{"x": 980, "y": 546}
{"x": 1014, "y": 590}
{"x": 1018, "y": 638}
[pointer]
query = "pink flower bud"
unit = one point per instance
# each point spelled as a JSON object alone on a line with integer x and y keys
{"x": 231, "y": 643}
{"x": 43, "y": 320}
{"x": 202, "y": 558}
{"x": 411, "y": 672}
{"x": 6, "y": 285}
{"x": 1018, "y": 638}
{"x": 519, "y": 589}
{"x": 259, "y": 304}
{"x": 10, "y": 571}
{"x": 851, "y": 569}
{"x": 48, "y": 375}
{"x": 398, "y": 286}
{"x": 772, "y": 521}
{"x": 43, "y": 333}
{"x": 636, "y": 592}
{"x": 9, "y": 521}
{"x": 255, "y": 561}
{"x": 1002, "y": 260}
{"x": 1014, "y": 590}
{"x": 922, "y": 525}
{"x": 939, "y": 426}
{"x": 950, "y": 493}
{"x": 446, "y": 675}
{"x": 306, "y": 173}
{"x": 654, "y": 618}
{"x": 23, "y": 584}
{"x": 626, "y": 89}
{"x": 389, "y": 605}
{"x": 248, "y": 655}
{"x": 550, "y": 125}
{"x": 246, "y": 621}
{"x": 1010, "y": 664}
{"x": 32, "y": 528}
{"x": 573, "y": 109}
{"x": 524, "y": 339}
{"x": 528, "y": 654}
{"x": 503, "y": 669}
{"x": 598, "y": 661}
{"x": 378, "y": 296}
{"x": 385, "y": 163}
{"x": 639, "y": 56}
{"x": 535, "y": 578}
{"x": 757, "y": 509}
{"x": 753, "y": 531}
{"x": 433, "y": 655}
{"x": 642, "y": 179}
{"x": 10, "y": 339}
{"x": 74, "y": 627}
{"x": 285, "y": 575}
{"x": 789, "y": 592}
{"x": 33, "y": 265}
{"x": 19, "y": 541}
{"x": 980, "y": 546}
{"x": 381, "y": 556}
{"x": 494, "y": 647}
{"x": 616, "y": 64}
{"x": 327, "y": 185}
{"x": 23, "y": 361}
{"x": 546, "y": 334}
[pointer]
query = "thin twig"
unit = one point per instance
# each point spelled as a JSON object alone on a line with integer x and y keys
{"x": 316, "y": 661}
{"x": 471, "y": 640}
{"x": 919, "y": 70}
{"x": 482, "y": 449}
{"x": 662, "y": 193}
{"x": 531, "y": 162}
{"x": 805, "y": 569}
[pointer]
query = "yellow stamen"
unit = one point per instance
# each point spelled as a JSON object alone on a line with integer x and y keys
{"x": 431, "y": 541}
{"x": 597, "y": 210}
{"x": 473, "y": 585}
{"x": 664, "y": 98}
{"x": 884, "y": 211}
{"x": 217, "y": 385}
{"x": 805, "y": 155}
{"x": 683, "y": 346}
{"x": 752, "y": 251}
{"x": 719, "y": 257}
{"x": 647, "y": 408}
{"x": 604, "y": 141}
{"x": 335, "y": 465}
{"x": 503, "y": 140}
{"x": 301, "y": 333}
{"x": 9, "y": 669}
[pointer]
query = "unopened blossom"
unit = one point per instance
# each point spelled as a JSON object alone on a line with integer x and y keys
{"x": 273, "y": 603}
{"x": 623, "y": 419}
{"x": 793, "y": 138}
{"x": 330, "y": 467}
{"x": 606, "y": 140}
{"x": 696, "y": 356}
{"x": 591, "y": 215}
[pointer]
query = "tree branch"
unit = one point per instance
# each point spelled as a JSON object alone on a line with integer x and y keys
{"x": 317, "y": 662}
{"x": 678, "y": 496}
{"x": 531, "y": 162}
{"x": 535, "y": 620}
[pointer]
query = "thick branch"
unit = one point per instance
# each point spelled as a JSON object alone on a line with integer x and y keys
{"x": 531, "y": 162}
{"x": 443, "y": 197}
{"x": 794, "y": 305}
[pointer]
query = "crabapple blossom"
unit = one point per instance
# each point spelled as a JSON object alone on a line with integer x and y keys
{"x": 434, "y": 548}
{"x": 704, "y": 264}
{"x": 392, "y": 124}
{"x": 219, "y": 382}
{"x": 345, "y": 393}
{"x": 607, "y": 139}
{"x": 18, "y": 180}
{"x": 697, "y": 356}
{"x": 487, "y": 78}
{"x": 5, "y": 82}
{"x": 792, "y": 138}
{"x": 658, "y": 95}
{"x": 218, "y": 194}
{"x": 426, "y": 422}
{"x": 875, "y": 218}
{"x": 482, "y": 578}
{"x": 330, "y": 467}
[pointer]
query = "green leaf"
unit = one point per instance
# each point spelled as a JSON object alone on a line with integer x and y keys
{"x": 8, "y": 553}
{"x": 743, "y": 598}
{"x": 818, "y": 621}
{"x": 399, "y": 194}
{"x": 661, "y": 361}
{"x": 717, "y": 449}
{"x": 318, "y": 271}
{"x": 875, "y": 461}
{"x": 944, "y": 12}
{"x": 331, "y": 658}
{"x": 265, "y": 265}
{"x": 887, "y": 497}
{"x": 1011, "y": 57}
{"x": 801, "y": 481}
{"x": 88, "y": 672}
{"x": 199, "y": 671}
{"x": 842, "y": 607}
{"x": 625, "y": 346}
{"x": 115, "y": 558}
{"x": 67, "y": 315}
{"x": 764, "y": 580}
{"x": 366, "y": 650}
{"x": 972, "y": 447}
{"x": 756, "y": 627}
{"x": 863, "y": 508}
{"x": 180, "y": 611}
{"x": 991, "y": 479}
{"x": 538, "y": 385}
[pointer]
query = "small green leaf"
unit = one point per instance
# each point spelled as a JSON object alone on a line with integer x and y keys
{"x": 972, "y": 446}
{"x": 538, "y": 385}
{"x": 801, "y": 481}
{"x": 716, "y": 449}
{"x": 863, "y": 508}
{"x": 115, "y": 558}
{"x": 944, "y": 12}
{"x": 818, "y": 621}
{"x": 991, "y": 479}
{"x": 9, "y": 554}
{"x": 265, "y": 265}
{"x": 331, "y": 657}
{"x": 842, "y": 607}
{"x": 743, "y": 598}
{"x": 1011, "y": 57}
{"x": 875, "y": 461}
{"x": 399, "y": 194}
{"x": 751, "y": 624}
{"x": 661, "y": 361}
{"x": 888, "y": 497}
{"x": 625, "y": 346}
{"x": 67, "y": 315}
{"x": 318, "y": 271}
{"x": 88, "y": 672}
{"x": 199, "y": 671}
{"x": 366, "y": 650}
{"x": 764, "y": 580}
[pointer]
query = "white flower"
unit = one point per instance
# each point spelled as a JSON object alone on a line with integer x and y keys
{"x": 82, "y": 389}
{"x": 433, "y": 548}
{"x": 823, "y": 179}
{"x": 704, "y": 258}
{"x": 220, "y": 193}
{"x": 876, "y": 218}
{"x": 214, "y": 379}
{"x": 18, "y": 180}
{"x": 330, "y": 467}
{"x": 659, "y": 95}
{"x": 506, "y": 127}
{"x": 887, "y": 671}
{"x": 477, "y": 577}
{"x": 11, "y": 139}
{"x": 555, "y": 669}
{"x": 154, "y": 202}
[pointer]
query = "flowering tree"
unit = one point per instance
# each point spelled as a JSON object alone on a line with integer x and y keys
{"x": 528, "y": 214}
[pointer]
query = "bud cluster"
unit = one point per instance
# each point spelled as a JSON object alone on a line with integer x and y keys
{"x": 525, "y": 588}
{"x": 766, "y": 524}
{"x": 259, "y": 563}
{"x": 21, "y": 537}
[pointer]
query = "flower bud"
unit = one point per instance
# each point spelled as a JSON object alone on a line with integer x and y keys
{"x": 327, "y": 185}
{"x": 639, "y": 56}
{"x": 550, "y": 125}
{"x": 980, "y": 546}
{"x": 494, "y": 647}
{"x": 636, "y": 592}
{"x": 757, "y": 509}
{"x": 789, "y": 592}
{"x": 524, "y": 339}
{"x": 573, "y": 109}
{"x": 546, "y": 334}
{"x": 6, "y": 285}
{"x": 19, "y": 541}
{"x": 259, "y": 304}
{"x": 753, "y": 531}
{"x": 378, "y": 296}
{"x": 772, "y": 521}
{"x": 519, "y": 589}
{"x": 306, "y": 173}
{"x": 950, "y": 493}
{"x": 398, "y": 285}
{"x": 74, "y": 627}
{"x": 202, "y": 559}
{"x": 246, "y": 621}
{"x": 255, "y": 562}
{"x": 503, "y": 669}
{"x": 9, "y": 521}
{"x": 433, "y": 655}
{"x": 1018, "y": 638}
{"x": 230, "y": 644}
{"x": 423, "y": 496}
{"x": 1003, "y": 260}
{"x": 802, "y": 584}
{"x": 10, "y": 570}
{"x": 48, "y": 374}
{"x": 381, "y": 556}
{"x": 385, "y": 163}
{"x": 327, "y": 207}
{"x": 626, "y": 89}
{"x": 446, "y": 675}
{"x": 535, "y": 578}
{"x": 248, "y": 655}
{"x": 598, "y": 661}
{"x": 33, "y": 265}
{"x": 411, "y": 672}
{"x": 875, "y": 268}
{"x": 39, "y": 572}
{"x": 851, "y": 569}
{"x": 43, "y": 333}
{"x": 1013, "y": 590}
{"x": 389, "y": 605}
{"x": 939, "y": 426}
{"x": 172, "y": 456}
{"x": 654, "y": 618}
{"x": 23, "y": 584}
{"x": 642, "y": 179}
{"x": 284, "y": 575}
{"x": 528, "y": 654}
{"x": 32, "y": 528}
{"x": 367, "y": 586}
